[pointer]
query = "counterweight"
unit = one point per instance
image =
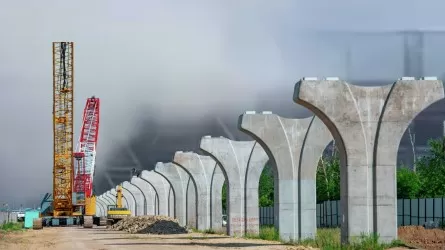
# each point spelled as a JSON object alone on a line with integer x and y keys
{"x": 63, "y": 82}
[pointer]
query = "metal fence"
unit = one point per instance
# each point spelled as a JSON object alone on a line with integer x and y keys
{"x": 6, "y": 217}
{"x": 409, "y": 212}
{"x": 266, "y": 215}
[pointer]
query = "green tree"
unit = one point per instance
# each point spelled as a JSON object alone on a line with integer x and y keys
{"x": 408, "y": 183}
{"x": 328, "y": 178}
{"x": 431, "y": 169}
{"x": 266, "y": 187}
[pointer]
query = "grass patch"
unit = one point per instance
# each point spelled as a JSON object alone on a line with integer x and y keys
{"x": 209, "y": 231}
{"x": 328, "y": 239}
{"x": 266, "y": 233}
{"x": 11, "y": 226}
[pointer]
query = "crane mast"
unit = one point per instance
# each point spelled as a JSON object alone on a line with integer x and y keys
{"x": 63, "y": 81}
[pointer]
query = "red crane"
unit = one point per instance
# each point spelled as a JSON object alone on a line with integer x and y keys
{"x": 85, "y": 153}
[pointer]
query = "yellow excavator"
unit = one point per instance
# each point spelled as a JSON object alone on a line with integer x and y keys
{"x": 117, "y": 212}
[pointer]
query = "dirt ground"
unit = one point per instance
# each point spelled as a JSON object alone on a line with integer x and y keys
{"x": 101, "y": 239}
{"x": 424, "y": 238}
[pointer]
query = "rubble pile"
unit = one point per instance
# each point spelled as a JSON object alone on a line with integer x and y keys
{"x": 150, "y": 225}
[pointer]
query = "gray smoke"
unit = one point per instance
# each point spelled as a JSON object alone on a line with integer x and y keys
{"x": 169, "y": 72}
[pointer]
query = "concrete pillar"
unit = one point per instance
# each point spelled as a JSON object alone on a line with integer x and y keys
{"x": 107, "y": 198}
{"x": 235, "y": 159}
{"x": 178, "y": 180}
{"x": 171, "y": 203}
{"x": 138, "y": 198}
{"x": 148, "y": 191}
{"x": 101, "y": 207}
{"x": 161, "y": 186}
{"x": 200, "y": 168}
{"x": 367, "y": 124}
{"x": 105, "y": 204}
{"x": 218, "y": 179}
{"x": 111, "y": 197}
{"x": 295, "y": 147}
{"x": 191, "y": 204}
{"x": 142, "y": 210}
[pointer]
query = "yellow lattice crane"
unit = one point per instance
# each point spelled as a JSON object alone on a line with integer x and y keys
{"x": 63, "y": 81}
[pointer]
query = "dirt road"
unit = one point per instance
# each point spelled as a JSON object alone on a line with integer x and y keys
{"x": 101, "y": 239}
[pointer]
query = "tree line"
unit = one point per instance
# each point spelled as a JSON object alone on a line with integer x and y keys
{"x": 426, "y": 179}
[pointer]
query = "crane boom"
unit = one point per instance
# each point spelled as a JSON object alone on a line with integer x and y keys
{"x": 86, "y": 149}
{"x": 63, "y": 83}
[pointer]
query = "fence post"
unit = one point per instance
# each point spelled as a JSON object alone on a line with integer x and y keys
{"x": 442, "y": 211}
{"x": 418, "y": 212}
{"x": 434, "y": 204}
{"x": 403, "y": 211}
{"x": 330, "y": 206}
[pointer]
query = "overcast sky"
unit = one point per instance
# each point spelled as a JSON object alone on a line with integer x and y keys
{"x": 172, "y": 71}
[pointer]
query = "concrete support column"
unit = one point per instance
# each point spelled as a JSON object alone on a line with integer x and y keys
{"x": 107, "y": 198}
{"x": 149, "y": 192}
{"x": 236, "y": 158}
{"x": 295, "y": 146}
{"x": 191, "y": 204}
{"x": 141, "y": 196}
{"x": 101, "y": 205}
{"x": 161, "y": 186}
{"x": 178, "y": 180}
{"x": 367, "y": 124}
{"x": 112, "y": 197}
{"x": 171, "y": 203}
{"x": 218, "y": 179}
{"x": 137, "y": 196}
{"x": 105, "y": 204}
{"x": 200, "y": 168}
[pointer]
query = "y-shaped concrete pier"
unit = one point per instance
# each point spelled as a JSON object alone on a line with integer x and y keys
{"x": 161, "y": 187}
{"x": 139, "y": 199}
{"x": 200, "y": 168}
{"x": 236, "y": 159}
{"x": 367, "y": 124}
{"x": 102, "y": 205}
{"x": 112, "y": 196}
{"x": 295, "y": 146}
{"x": 107, "y": 198}
{"x": 149, "y": 193}
{"x": 218, "y": 180}
{"x": 140, "y": 195}
{"x": 178, "y": 180}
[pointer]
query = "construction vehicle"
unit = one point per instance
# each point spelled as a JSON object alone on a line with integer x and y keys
{"x": 72, "y": 200}
{"x": 84, "y": 202}
{"x": 63, "y": 98}
{"x": 117, "y": 212}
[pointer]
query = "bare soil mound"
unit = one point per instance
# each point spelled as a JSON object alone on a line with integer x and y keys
{"x": 150, "y": 225}
{"x": 424, "y": 238}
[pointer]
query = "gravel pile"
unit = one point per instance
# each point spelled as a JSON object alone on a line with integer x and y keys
{"x": 150, "y": 225}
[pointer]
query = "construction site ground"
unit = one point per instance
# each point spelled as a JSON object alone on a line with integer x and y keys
{"x": 100, "y": 238}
